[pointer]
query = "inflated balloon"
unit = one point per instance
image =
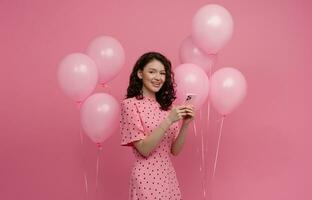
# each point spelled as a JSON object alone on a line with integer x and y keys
{"x": 228, "y": 89}
{"x": 190, "y": 53}
{"x": 212, "y": 28}
{"x": 191, "y": 79}
{"x": 77, "y": 76}
{"x": 100, "y": 115}
{"x": 108, "y": 55}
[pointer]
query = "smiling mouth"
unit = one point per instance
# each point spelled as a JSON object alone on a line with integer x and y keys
{"x": 156, "y": 85}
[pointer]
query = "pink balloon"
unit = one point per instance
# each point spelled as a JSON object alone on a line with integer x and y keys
{"x": 77, "y": 76}
{"x": 212, "y": 28}
{"x": 191, "y": 79}
{"x": 189, "y": 53}
{"x": 100, "y": 115}
{"x": 108, "y": 55}
{"x": 228, "y": 88}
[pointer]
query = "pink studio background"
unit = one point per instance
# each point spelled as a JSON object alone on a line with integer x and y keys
{"x": 266, "y": 142}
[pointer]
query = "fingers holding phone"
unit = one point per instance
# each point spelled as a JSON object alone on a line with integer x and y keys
{"x": 185, "y": 111}
{"x": 177, "y": 113}
{"x": 189, "y": 110}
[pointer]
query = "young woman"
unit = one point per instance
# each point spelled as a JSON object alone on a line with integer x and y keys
{"x": 149, "y": 125}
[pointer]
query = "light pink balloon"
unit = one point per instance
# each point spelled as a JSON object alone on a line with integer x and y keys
{"x": 77, "y": 76}
{"x": 191, "y": 79}
{"x": 100, "y": 115}
{"x": 108, "y": 55}
{"x": 212, "y": 28}
{"x": 228, "y": 89}
{"x": 190, "y": 53}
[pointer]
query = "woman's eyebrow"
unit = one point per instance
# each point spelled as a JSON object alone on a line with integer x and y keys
{"x": 152, "y": 68}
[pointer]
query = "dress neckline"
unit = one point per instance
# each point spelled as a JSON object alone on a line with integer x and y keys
{"x": 150, "y": 98}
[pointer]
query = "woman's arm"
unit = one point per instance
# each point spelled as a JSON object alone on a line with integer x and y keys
{"x": 150, "y": 142}
{"x": 178, "y": 143}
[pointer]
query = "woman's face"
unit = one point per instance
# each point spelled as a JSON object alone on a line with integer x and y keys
{"x": 153, "y": 76}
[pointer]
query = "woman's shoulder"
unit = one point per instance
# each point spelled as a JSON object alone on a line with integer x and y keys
{"x": 129, "y": 101}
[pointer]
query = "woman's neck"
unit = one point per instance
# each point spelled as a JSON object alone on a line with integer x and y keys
{"x": 148, "y": 94}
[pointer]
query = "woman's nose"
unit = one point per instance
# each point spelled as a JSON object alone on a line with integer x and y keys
{"x": 157, "y": 76}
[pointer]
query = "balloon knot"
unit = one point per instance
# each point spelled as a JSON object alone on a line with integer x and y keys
{"x": 99, "y": 145}
{"x": 78, "y": 104}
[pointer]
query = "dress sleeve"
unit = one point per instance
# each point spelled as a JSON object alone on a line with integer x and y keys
{"x": 131, "y": 125}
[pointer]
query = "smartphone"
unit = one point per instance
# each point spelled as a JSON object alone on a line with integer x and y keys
{"x": 190, "y": 99}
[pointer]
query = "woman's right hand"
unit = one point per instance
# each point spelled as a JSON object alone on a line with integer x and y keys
{"x": 176, "y": 114}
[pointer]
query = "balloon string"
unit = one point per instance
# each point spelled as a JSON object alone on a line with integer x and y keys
{"x": 194, "y": 127}
{"x": 208, "y": 113}
{"x": 97, "y": 165}
{"x": 202, "y": 152}
{"x": 206, "y": 141}
{"x": 204, "y": 189}
{"x": 202, "y": 168}
{"x": 208, "y": 121}
{"x": 202, "y": 139}
{"x": 208, "y": 105}
{"x": 203, "y": 164}
{"x": 217, "y": 153}
{"x": 197, "y": 148}
{"x": 206, "y": 150}
{"x": 195, "y": 133}
{"x": 81, "y": 136}
{"x": 86, "y": 183}
{"x": 97, "y": 171}
{"x": 83, "y": 159}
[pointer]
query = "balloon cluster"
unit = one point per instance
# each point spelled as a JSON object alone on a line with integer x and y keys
{"x": 212, "y": 28}
{"x": 78, "y": 75}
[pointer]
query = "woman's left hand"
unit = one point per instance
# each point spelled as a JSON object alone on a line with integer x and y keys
{"x": 190, "y": 114}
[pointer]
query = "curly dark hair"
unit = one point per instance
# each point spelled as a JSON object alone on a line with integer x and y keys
{"x": 166, "y": 95}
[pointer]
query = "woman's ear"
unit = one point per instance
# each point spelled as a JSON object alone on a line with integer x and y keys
{"x": 139, "y": 74}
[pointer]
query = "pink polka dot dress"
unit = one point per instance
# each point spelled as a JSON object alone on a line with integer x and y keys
{"x": 153, "y": 177}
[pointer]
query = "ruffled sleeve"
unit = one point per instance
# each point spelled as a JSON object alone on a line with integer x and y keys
{"x": 131, "y": 124}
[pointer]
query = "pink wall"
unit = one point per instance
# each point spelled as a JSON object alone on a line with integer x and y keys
{"x": 266, "y": 144}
